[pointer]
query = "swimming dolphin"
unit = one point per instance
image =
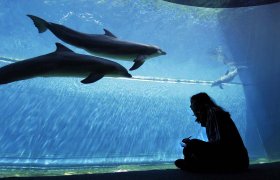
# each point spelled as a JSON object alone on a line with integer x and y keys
{"x": 228, "y": 77}
{"x": 107, "y": 44}
{"x": 62, "y": 63}
{"x": 223, "y": 3}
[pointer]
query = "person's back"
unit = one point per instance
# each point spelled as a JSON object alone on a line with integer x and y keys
{"x": 222, "y": 132}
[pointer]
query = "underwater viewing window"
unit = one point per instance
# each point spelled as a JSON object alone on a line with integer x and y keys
{"x": 122, "y": 123}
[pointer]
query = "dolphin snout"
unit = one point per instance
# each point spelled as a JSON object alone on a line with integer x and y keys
{"x": 161, "y": 52}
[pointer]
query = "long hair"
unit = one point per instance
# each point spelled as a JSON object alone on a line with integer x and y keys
{"x": 201, "y": 102}
{"x": 203, "y": 99}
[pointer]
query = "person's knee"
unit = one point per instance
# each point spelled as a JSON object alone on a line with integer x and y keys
{"x": 181, "y": 163}
{"x": 191, "y": 147}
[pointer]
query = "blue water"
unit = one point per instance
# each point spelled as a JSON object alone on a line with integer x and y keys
{"x": 59, "y": 121}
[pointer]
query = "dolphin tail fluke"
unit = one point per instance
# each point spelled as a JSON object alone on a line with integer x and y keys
{"x": 41, "y": 24}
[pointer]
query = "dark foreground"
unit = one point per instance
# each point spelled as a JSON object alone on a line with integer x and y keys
{"x": 258, "y": 171}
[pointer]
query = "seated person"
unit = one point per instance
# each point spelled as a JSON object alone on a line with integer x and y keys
{"x": 224, "y": 150}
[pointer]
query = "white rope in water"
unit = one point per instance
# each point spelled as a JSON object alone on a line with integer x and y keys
{"x": 170, "y": 80}
{"x": 147, "y": 78}
{"x": 167, "y": 80}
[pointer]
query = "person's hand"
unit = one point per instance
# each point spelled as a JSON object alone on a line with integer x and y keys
{"x": 186, "y": 140}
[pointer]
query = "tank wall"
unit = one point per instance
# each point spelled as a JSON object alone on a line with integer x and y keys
{"x": 253, "y": 37}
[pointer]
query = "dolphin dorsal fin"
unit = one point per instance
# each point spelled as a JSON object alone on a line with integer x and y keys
{"x": 108, "y": 33}
{"x": 62, "y": 48}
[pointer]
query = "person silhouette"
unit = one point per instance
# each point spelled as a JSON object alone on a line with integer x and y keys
{"x": 224, "y": 150}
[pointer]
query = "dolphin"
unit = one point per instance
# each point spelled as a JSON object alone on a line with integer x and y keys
{"x": 228, "y": 76}
{"x": 62, "y": 63}
{"x": 107, "y": 44}
{"x": 223, "y": 3}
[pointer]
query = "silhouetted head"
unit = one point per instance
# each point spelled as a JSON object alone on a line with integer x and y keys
{"x": 200, "y": 104}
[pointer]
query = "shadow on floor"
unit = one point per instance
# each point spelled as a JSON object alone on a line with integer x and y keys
{"x": 258, "y": 171}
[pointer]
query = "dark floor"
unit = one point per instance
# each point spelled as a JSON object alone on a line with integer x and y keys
{"x": 258, "y": 171}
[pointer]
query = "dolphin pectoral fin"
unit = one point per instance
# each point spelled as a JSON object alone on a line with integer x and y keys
{"x": 136, "y": 65}
{"x": 139, "y": 61}
{"x": 221, "y": 86}
{"x": 227, "y": 72}
{"x": 108, "y": 33}
{"x": 92, "y": 78}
